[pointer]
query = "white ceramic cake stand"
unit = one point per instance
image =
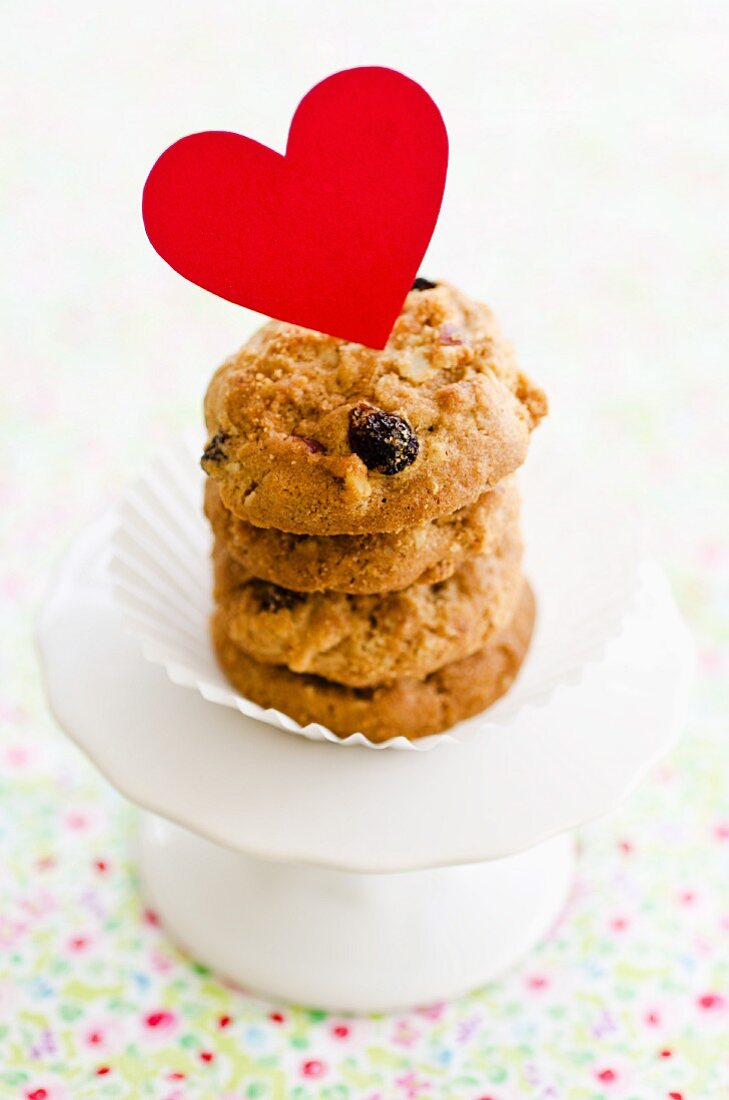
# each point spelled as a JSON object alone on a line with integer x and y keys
{"x": 342, "y": 877}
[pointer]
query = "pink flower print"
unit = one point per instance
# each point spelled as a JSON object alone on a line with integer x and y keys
{"x": 17, "y": 756}
{"x": 432, "y": 1012}
{"x": 404, "y": 1034}
{"x": 537, "y": 982}
{"x": 11, "y": 931}
{"x": 606, "y": 1076}
{"x": 103, "y": 1035}
{"x": 76, "y": 820}
{"x": 78, "y": 944}
{"x": 160, "y": 963}
{"x": 161, "y": 1022}
{"x": 95, "y": 1037}
{"x": 721, "y": 830}
{"x": 341, "y": 1031}
{"x": 313, "y": 1068}
{"x": 412, "y": 1086}
{"x": 712, "y": 1002}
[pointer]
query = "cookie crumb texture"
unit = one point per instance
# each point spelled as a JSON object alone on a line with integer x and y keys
{"x": 313, "y": 435}
{"x": 408, "y": 707}
{"x": 366, "y": 564}
{"x": 365, "y": 640}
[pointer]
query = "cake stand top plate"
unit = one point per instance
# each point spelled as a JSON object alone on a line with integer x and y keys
{"x": 269, "y": 793}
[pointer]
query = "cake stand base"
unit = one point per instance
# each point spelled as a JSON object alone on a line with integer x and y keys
{"x": 345, "y": 941}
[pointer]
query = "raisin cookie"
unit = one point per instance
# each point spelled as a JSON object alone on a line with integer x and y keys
{"x": 317, "y": 436}
{"x": 363, "y": 564}
{"x": 408, "y": 707}
{"x": 365, "y": 640}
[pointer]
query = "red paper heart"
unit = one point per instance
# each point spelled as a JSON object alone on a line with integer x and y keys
{"x": 328, "y": 236}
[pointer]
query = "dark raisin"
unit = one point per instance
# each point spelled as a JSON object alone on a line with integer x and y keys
{"x": 384, "y": 442}
{"x": 423, "y": 284}
{"x": 272, "y": 598}
{"x": 215, "y": 450}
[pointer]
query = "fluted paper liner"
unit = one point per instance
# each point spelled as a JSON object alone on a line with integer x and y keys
{"x": 582, "y": 560}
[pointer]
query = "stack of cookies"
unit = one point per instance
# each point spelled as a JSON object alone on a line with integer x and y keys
{"x": 367, "y": 548}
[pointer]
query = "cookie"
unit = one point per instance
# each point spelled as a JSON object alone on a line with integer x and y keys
{"x": 362, "y": 564}
{"x": 408, "y": 707}
{"x": 365, "y": 640}
{"x": 314, "y": 435}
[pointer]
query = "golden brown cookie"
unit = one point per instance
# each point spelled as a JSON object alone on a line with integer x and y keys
{"x": 365, "y": 640}
{"x": 314, "y": 435}
{"x": 362, "y": 564}
{"x": 409, "y": 708}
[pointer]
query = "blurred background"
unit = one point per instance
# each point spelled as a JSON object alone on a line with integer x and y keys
{"x": 587, "y": 203}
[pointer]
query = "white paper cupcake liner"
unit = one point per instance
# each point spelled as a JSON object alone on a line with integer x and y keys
{"x": 582, "y": 559}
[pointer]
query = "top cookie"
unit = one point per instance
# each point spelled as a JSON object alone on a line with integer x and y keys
{"x": 314, "y": 435}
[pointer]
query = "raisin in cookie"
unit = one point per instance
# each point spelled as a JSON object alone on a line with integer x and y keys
{"x": 408, "y": 707}
{"x": 362, "y": 564}
{"x": 365, "y": 640}
{"x": 314, "y": 435}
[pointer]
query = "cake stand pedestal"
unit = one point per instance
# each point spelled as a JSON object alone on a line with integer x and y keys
{"x": 344, "y": 940}
{"x": 342, "y": 877}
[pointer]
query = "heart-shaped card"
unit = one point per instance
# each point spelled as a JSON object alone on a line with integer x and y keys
{"x": 329, "y": 236}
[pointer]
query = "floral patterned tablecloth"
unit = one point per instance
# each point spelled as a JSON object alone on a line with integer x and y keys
{"x": 620, "y": 310}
